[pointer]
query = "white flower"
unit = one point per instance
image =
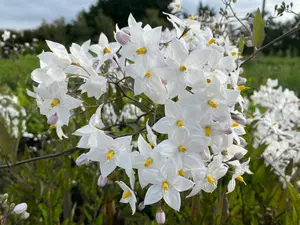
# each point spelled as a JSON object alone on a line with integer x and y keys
{"x": 94, "y": 86}
{"x": 128, "y": 196}
{"x": 112, "y": 153}
{"x": 6, "y": 35}
{"x": 175, "y": 6}
{"x": 166, "y": 184}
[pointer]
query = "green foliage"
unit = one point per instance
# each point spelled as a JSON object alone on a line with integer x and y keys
{"x": 258, "y": 29}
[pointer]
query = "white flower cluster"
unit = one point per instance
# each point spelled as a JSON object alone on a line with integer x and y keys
{"x": 13, "y": 115}
{"x": 9, "y": 209}
{"x": 278, "y": 114}
{"x": 193, "y": 73}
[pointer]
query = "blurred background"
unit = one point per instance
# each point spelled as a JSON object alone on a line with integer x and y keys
{"x": 59, "y": 192}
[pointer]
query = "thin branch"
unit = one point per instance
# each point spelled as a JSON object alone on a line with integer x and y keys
{"x": 69, "y": 151}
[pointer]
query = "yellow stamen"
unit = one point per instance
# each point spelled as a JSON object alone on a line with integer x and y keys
{"x": 110, "y": 154}
{"x": 192, "y": 18}
{"x": 241, "y": 87}
{"x": 212, "y": 103}
{"x": 165, "y": 185}
{"x": 235, "y": 124}
{"x": 181, "y": 173}
{"x": 185, "y": 34}
{"x": 210, "y": 179}
{"x": 274, "y": 124}
{"x": 141, "y": 51}
{"x": 148, "y": 162}
{"x": 148, "y": 74}
{"x": 151, "y": 144}
{"x": 241, "y": 179}
{"x": 212, "y": 70}
{"x": 55, "y": 102}
{"x": 107, "y": 50}
{"x": 52, "y": 126}
{"x": 191, "y": 39}
{"x": 182, "y": 68}
{"x": 179, "y": 123}
{"x": 126, "y": 194}
{"x": 182, "y": 148}
{"x": 233, "y": 53}
{"x": 211, "y": 41}
{"x": 208, "y": 80}
{"x": 207, "y": 131}
{"x": 177, "y": 6}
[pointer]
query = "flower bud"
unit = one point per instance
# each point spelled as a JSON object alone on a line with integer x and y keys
{"x": 165, "y": 82}
{"x": 25, "y": 216}
{"x": 53, "y": 119}
{"x": 20, "y": 208}
{"x": 122, "y": 36}
{"x": 242, "y": 81}
{"x": 102, "y": 181}
{"x": 82, "y": 159}
{"x": 160, "y": 217}
{"x": 141, "y": 206}
{"x": 12, "y": 206}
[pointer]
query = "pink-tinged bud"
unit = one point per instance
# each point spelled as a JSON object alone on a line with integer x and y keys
{"x": 165, "y": 82}
{"x": 126, "y": 30}
{"x": 25, "y": 216}
{"x": 20, "y": 208}
{"x": 160, "y": 217}
{"x": 113, "y": 63}
{"x": 122, "y": 37}
{"x": 53, "y": 119}
{"x": 82, "y": 159}
{"x": 102, "y": 181}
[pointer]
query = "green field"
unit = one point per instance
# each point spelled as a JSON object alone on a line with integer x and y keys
{"x": 286, "y": 70}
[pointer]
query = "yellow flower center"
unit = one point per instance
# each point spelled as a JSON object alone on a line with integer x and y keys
{"x": 211, "y": 41}
{"x": 208, "y": 80}
{"x": 192, "y": 18}
{"x": 165, "y": 185}
{"x": 212, "y": 103}
{"x": 210, "y": 179}
{"x": 274, "y": 124}
{"x": 148, "y": 162}
{"x": 182, "y": 68}
{"x": 107, "y": 50}
{"x": 191, "y": 39}
{"x": 235, "y": 124}
{"x": 55, "y": 102}
{"x": 141, "y": 51}
{"x": 110, "y": 154}
{"x": 207, "y": 131}
{"x": 182, "y": 148}
{"x": 241, "y": 179}
{"x": 126, "y": 194}
{"x": 179, "y": 123}
{"x": 241, "y": 87}
{"x": 148, "y": 74}
{"x": 177, "y": 6}
{"x": 181, "y": 173}
{"x": 151, "y": 144}
{"x": 52, "y": 126}
{"x": 233, "y": 53}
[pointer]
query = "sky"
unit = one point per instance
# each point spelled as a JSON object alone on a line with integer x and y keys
{"x": 28, "y": 14}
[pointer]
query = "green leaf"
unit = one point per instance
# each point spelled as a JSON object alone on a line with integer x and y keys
{"x": 241, "y": 44}
{"x": 45, "y": 213}
{"x": 295, "y": 200}
{"x": 258, "y": 35}
{"x": 8, "y": 145}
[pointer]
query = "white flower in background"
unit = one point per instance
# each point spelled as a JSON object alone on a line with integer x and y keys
{"x": 128, "y": 196}
{"x": 175, "y": 6}
{"x": 6, "y": 35}
{"x": 95, "y": 86}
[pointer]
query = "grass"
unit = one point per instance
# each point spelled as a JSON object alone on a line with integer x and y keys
{"x": 286, "y": 70}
